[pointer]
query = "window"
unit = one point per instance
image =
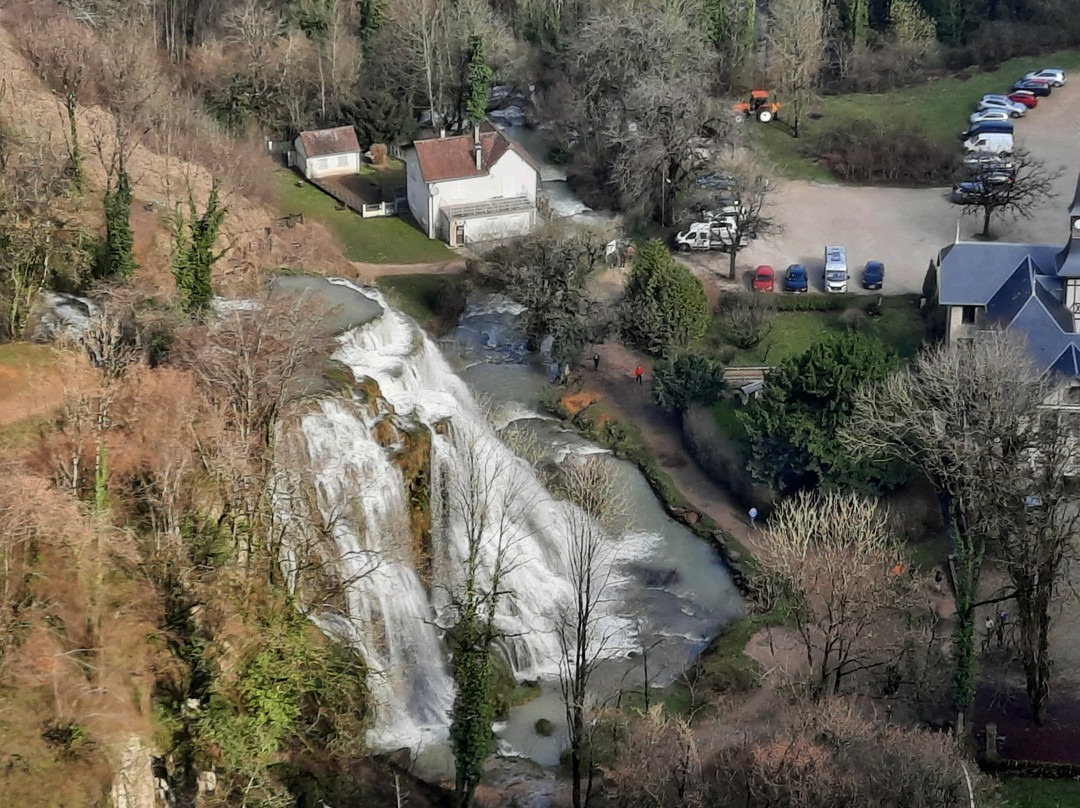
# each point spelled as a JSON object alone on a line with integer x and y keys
{"x": 968, "y": 317}
{"x": 1072, "y": 395}
{"x": 343, "y": 160}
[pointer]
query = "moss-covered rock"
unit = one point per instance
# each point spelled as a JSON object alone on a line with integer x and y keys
{"x": 544, "y": 727}
{"x": 413, "y": 457}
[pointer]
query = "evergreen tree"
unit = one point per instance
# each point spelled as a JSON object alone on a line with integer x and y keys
{"x": 793, "y": 426}
{"x": 193, "y": 261}
{"x": 118, "y": 260}
{"x": 859, "y": 21}
{"x": 478, "y": 77}
{"x": 715, "y": 18}
{"x": 665, "y": 307}
{"x": 689, "y": 377}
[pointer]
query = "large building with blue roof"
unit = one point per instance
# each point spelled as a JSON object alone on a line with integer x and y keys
{"x": 1031, "y": 288}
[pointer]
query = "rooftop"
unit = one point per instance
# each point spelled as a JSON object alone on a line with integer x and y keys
{"x": 450, "y": 158}
{"x": 339, "y": 140}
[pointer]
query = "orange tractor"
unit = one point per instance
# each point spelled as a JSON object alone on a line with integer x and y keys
{"x": 759, "y": 106}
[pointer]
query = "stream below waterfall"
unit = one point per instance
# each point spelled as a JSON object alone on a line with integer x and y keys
{"x": 669, "y": 593}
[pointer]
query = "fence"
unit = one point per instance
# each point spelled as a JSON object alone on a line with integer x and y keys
{"x": 381, "y": 209}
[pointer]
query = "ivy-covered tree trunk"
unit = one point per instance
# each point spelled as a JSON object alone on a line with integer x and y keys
{"x": 194, "y": 257}
{"x": 477, "y": 84}
{"x": 968, "y": 565}
{"x": 119, "y": 258}
{"x": 474, "y": 708}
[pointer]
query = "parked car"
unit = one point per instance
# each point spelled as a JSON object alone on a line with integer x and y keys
{"x": 795, "y": 279}
{"x": 1025, "y": 97}
{"x": 1037, "y": 86}
{"x": 764, "y": 279}
{"x": 873, "y": 275}
{"x": 975, "y": 192}
{"x": 980, "y": 163}
{"x": 988, "y": 115}
{"x": 1054, "y": 75}
{"x": 1014, "y": 108}
{"x": 1001, "y": 127}
{"x": 835, "y": 273}
{"x": 999, "y": 143}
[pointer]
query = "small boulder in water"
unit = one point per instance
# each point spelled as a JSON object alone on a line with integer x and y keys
{"x": 544, "y": 727}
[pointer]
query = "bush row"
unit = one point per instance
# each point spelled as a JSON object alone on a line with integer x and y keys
{"x": 862, "y": 151}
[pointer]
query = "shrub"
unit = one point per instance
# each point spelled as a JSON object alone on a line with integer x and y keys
{"x": 860, "y": 151}
{"x": 813, "y": 302}
{"x": 689, "y": 377}
{"x": 745, "y": 319}
{"x": 665, "y": 307}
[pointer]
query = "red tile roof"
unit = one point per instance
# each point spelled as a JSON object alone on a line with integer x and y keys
{"x": 339, "y": 140}
{"x": 451, "y": 158}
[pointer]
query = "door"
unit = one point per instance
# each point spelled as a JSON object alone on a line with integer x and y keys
{"x": 459, "y": 234}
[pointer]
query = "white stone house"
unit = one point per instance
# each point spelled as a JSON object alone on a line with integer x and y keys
{"x": 474, "y": 187}
{"x": 328, "y": 152}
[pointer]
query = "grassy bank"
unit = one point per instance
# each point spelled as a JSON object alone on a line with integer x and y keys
{"x": 1025, "y": 792}
{"x": 384, "y": 240}
{"x": 434, "y": 301}
{"x": 938, "y": 110}
{"x": 899, "y": 325}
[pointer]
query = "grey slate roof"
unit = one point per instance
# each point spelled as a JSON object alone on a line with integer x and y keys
{"x": 1021, "y": 287}
{"x": 972, "y": 272}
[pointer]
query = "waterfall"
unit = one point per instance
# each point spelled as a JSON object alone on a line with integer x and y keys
{"x": 396, "y": 620}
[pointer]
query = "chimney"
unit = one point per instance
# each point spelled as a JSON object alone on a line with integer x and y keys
{"x": 478, "y": 148}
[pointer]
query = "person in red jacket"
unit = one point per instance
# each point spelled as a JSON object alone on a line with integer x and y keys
{"x": 639, "y": 373}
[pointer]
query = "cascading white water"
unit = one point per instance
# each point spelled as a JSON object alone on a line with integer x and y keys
{"x": 392, "y": 617}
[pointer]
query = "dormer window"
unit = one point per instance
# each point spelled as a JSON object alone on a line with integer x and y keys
{"x": 1072, "y": 301}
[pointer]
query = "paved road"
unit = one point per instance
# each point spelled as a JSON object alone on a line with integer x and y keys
{"x": 906, "y": 227}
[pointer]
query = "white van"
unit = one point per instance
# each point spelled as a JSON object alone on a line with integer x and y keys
{"x": 990, "y": 143}
{"x": 836, "y": 274}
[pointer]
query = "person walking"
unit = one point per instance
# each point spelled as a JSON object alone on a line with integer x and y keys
{"x": 596, "y": 361}
{"x": 989, "y": 633}
{"x": 753, "y": 517}
{"x": 639, "y": 374}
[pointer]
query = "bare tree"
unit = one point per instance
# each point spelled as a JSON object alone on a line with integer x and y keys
{"x": 737, "y": 195}
{"x": 656, "y": 764}
{"x": 1011, "y": 193}
{"x": 581, "y": 629}
{"x": 973, "y": 418}
{"x": 834, "y": 557}
{"x": 485, "y": 501}
{"x": 745, "y": 319}
{"x": 662, "y": 139}
{"x": 828, "y": 754}
{"x": 796, "y": 52}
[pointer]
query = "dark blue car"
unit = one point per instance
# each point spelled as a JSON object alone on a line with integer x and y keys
{"x": 874, "y": 275}
{"x": 795, "y": 279}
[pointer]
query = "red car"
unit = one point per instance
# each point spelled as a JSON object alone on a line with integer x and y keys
{"x": 1025, "y": 97}
{"x": 764, "y": 279}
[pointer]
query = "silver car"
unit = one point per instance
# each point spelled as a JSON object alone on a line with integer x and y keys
{"x": 1014, "y": 108}
{"x": 989, "y": 116}
{"x": 1054, "y": 76}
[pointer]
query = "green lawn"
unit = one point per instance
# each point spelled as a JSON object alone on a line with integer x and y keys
{"x": 793, "y": 332}
{"x": 938, "y": 109}
{"x": 1023, "y": 792}
{"x": 386, "y": 240}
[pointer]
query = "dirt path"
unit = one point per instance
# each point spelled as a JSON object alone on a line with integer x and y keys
{"x": 662, "y": 434}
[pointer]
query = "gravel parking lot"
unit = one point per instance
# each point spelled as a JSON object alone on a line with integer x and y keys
{"x": 906, "y": 227}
